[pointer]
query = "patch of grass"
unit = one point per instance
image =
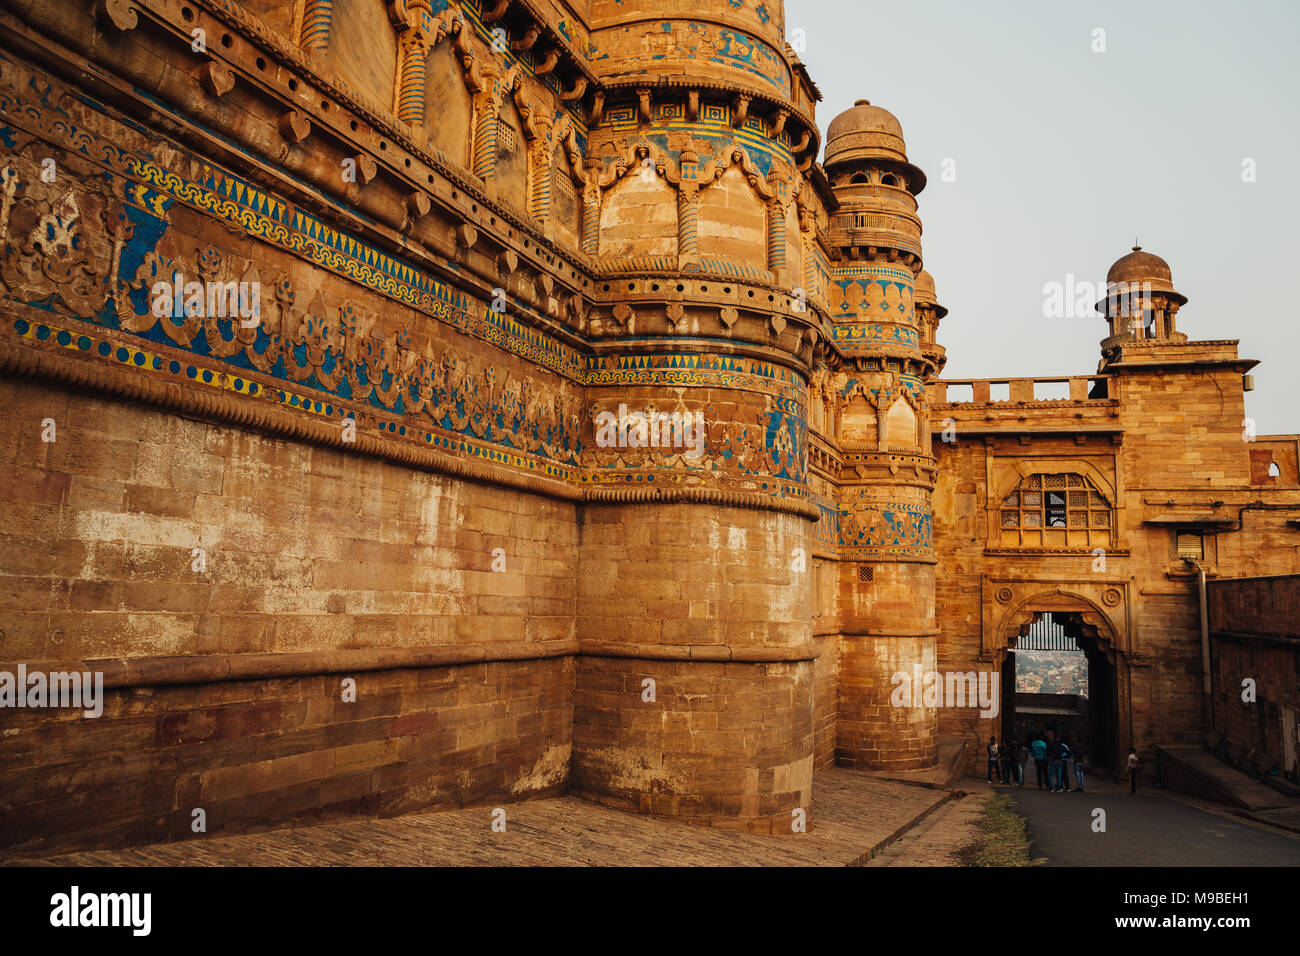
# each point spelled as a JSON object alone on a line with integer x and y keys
{"x": 1004, "y": 841}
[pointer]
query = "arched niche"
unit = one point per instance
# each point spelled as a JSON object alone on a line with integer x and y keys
{"x": 638, "y": 215}
{"x": 363, "y": 47}
{"x": 448, "y": 106}
{"x": 733, "y": 219}
{"x": 566, "y": 198}
{"x": 1012, "y": 606}
{"x": 510, "y": 177}
{"x": 858, "y": 422}
{"x": 900, "y": 426}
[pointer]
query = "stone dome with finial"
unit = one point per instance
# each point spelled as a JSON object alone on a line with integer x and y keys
{"x": 869, "y": 134}
{"x": 1143, "y": 269}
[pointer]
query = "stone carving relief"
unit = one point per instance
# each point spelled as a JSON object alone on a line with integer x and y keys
{"x": 64, "y": 244}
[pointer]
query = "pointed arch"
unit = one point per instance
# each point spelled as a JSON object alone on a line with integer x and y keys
{"x": 1007, "y": 480}
{"x": 858, "y": 416}
{"x": 564, "y": 179}
{"x": 900, "y": 424}
{"x": 639, "y": 154}
{"x": 1050, "y": 508}
{"x": 734, "y": 154}
{"x": 565, "y": 137}
{"x": 733, "y": 210}
{"x": 1060, "y": 600}
{"x": 363, "y": 47}
{"x": 638, "y": 211}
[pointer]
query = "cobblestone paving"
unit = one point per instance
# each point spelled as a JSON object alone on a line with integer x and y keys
{"x": 854, "y": 814}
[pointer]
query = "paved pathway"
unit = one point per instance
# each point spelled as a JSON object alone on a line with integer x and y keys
{"x": 1149, "y": 829}
{"x": 855, "y": 814}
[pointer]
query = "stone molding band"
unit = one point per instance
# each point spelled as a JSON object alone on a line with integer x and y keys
{"x": 19, "y": 362}
{"x": 703, "y": 653}
{"x": 217, "y": 668}
{"x": 668, "y": 82}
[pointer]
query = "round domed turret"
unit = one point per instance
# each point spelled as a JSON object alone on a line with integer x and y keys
{"x": 865, "y": 132}
{"x": 1144, "y": 269}
{"x": 924, "y": 293}
{"x": 871, "y": 135}
{"x": 1141, "y": 303}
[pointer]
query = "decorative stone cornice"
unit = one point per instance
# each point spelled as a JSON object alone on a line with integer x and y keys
{"x": 702, "y": 496}
{"x": 269, "y": 419}
{"x": 759, "y": 102}
{"x": 228, "y": 408}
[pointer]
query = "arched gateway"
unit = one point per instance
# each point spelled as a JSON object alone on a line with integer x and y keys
{"x": 1086, "y": 624}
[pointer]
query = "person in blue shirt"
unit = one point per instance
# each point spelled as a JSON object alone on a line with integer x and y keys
{"x": 1039, "y": 751}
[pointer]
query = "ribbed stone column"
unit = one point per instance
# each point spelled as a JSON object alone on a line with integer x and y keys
{"x": 485, "y": 144}
{"x": 316, "y": 26}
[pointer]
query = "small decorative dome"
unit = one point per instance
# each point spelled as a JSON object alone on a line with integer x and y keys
{"x": 865, "y": 132}
{"x": 924, "y": 294}
{"x": 924, "y": 287}
{"x": 1143, "y": 268}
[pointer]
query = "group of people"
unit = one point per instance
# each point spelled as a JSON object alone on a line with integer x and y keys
{"x": 1057, "y": 763}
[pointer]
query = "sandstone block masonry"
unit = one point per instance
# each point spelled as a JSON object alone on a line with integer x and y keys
{"x": 364, "y": 550}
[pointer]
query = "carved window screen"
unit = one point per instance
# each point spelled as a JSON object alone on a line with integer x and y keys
{"x": 1055, "y": 511}
{"x": 505, "y": 138}
{"x": 563, "y": 185}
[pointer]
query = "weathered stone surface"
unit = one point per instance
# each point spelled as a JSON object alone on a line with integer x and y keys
{"x": 502, "y": 377}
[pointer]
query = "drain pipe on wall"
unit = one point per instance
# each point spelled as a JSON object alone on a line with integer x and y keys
{"x": 1206, "y": 683}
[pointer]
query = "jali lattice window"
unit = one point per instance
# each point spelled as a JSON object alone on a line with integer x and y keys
{"x": 564, "y": 187}
{"x": 1056, "y": 511}
{"x": 505, "y": 138}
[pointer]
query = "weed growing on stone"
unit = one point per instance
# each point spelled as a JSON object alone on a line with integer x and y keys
{"x": 1004, "y": 842}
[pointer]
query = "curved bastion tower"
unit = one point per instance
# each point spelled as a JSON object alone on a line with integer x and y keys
{"x": 556, "y": 304}
{"x": 694, "y": 571}
{"x": 886, "y": 570}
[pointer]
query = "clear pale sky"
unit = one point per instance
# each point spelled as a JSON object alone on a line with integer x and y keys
{"x": 1063, "y": 156}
